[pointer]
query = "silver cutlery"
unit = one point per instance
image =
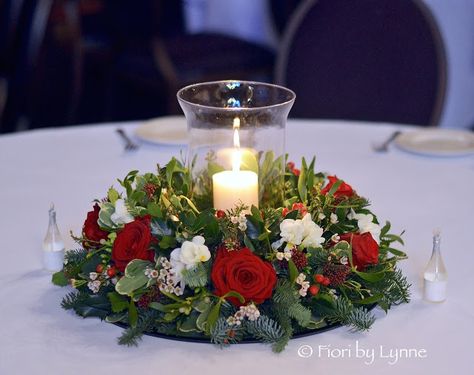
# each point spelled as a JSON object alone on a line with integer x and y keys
{"x": 383, "y": 147}
{"x": 129, "y": 144}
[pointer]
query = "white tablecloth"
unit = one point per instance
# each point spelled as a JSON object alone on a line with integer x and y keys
{"x": 72, "y": 166}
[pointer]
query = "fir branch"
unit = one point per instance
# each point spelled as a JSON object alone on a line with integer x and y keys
{"x": 223, "y": 334}
{"x": 394, "y": 287}
{"x": 285, "y": 323}
{"x": 300, "y": 313}
{"x": 75, "y": 256}
{"x": 197, "y": 276}
{"x": 73, "y": 300}
{"x": 133, "y": 335}
{"x": 358, "y": 318}
{"x": 264, "y": 329}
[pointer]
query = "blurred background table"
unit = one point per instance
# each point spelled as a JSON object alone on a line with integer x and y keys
{"x": 73, "y": 166}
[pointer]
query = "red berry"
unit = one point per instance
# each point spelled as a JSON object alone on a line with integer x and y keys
{"x": 296, "y": 171}
{"x": 285, "y": 212}
{"x": 326, "y": 281}
{"x": 99, "y": 268}
{"x": 111, "y": 271}
{"x": 313, "y": 289}
{"x": 319, "y": 278}
{"x": 290, "y": 165}
{"x": 220, "y": 214}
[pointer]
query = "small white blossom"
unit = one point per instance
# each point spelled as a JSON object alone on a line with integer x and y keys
{"x": 333, "y": 218}
{"x": 301, "y": 278}
{"x": 94, "y": 286}
{"x": 286, "y": 254}
{"x": 121, "y": 214}
{"x": 333, "y": 293}
{"x": 251, "y": 312}
{"x": 234, "y": 219}
{"x": 93, "y": 275}
{"x": 321, "y": 216}
{"x": 232, "y": 321}
{"x": 304, "y": 288}
{"x": 243, "y": 226}
{"x": 344, "y": 260}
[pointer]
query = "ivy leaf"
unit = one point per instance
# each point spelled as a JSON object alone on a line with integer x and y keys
{"x": 213, "y": 316}
{"x": 369, "y": 300}
{"x": 118, "y": 302}
{"x": 396, "y": 252}
{"x": 59, "y": 279}
{"x": 372, "y": 277}
{"x": 154, "y": 209}
{"x": 234, "y": 294}
{"x": 113, "y": 195}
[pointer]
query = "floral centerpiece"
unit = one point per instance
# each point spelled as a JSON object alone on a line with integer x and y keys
{"x": 158, "y": 259}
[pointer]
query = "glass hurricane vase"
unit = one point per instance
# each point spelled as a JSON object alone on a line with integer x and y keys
{"x": 236, "y": 126}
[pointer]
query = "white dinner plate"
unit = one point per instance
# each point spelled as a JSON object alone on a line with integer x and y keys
{"x": 169, "y": 130}
{"x": 437, "y": 142}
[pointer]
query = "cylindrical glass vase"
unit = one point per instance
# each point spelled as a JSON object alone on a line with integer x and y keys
{"x": 236, "y": 135}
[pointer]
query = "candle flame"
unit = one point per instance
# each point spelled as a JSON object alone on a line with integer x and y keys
{"x": 237, "y": 154}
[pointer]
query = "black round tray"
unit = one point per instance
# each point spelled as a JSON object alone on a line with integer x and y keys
{"x": 205, "y": 340}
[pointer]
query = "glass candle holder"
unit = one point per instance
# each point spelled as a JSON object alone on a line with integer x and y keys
{"x": 236, "y": 148}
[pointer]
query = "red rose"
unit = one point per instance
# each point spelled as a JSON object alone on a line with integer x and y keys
{"x": 91, "y": 230}
{"x": 133, "y": 242}
{"x": 344, "y": 190}
{"x": 243, "y": 272}
{"x": 365, "y": 249}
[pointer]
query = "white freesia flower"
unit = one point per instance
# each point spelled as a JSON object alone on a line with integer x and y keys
{"x": 313, "y": 233}
{"x": 121, "y": 214}
{"x": 303, "y": 232}
{"x": 366, "y": 224}
{"x": 291, "y": 231}
{"x": 194, "y": 252}
{"x": 189, "y": 255}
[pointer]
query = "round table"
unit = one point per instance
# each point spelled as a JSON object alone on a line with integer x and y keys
{"x": 72, "y": 166}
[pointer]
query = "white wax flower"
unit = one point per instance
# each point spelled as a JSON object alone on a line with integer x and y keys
{"x": 303, "y": 232}
{"x": 333, "y": 218}
{"x": 121, "y": 214}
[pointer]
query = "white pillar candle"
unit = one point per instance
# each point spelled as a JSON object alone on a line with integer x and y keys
{"x": 231, "y": 188}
